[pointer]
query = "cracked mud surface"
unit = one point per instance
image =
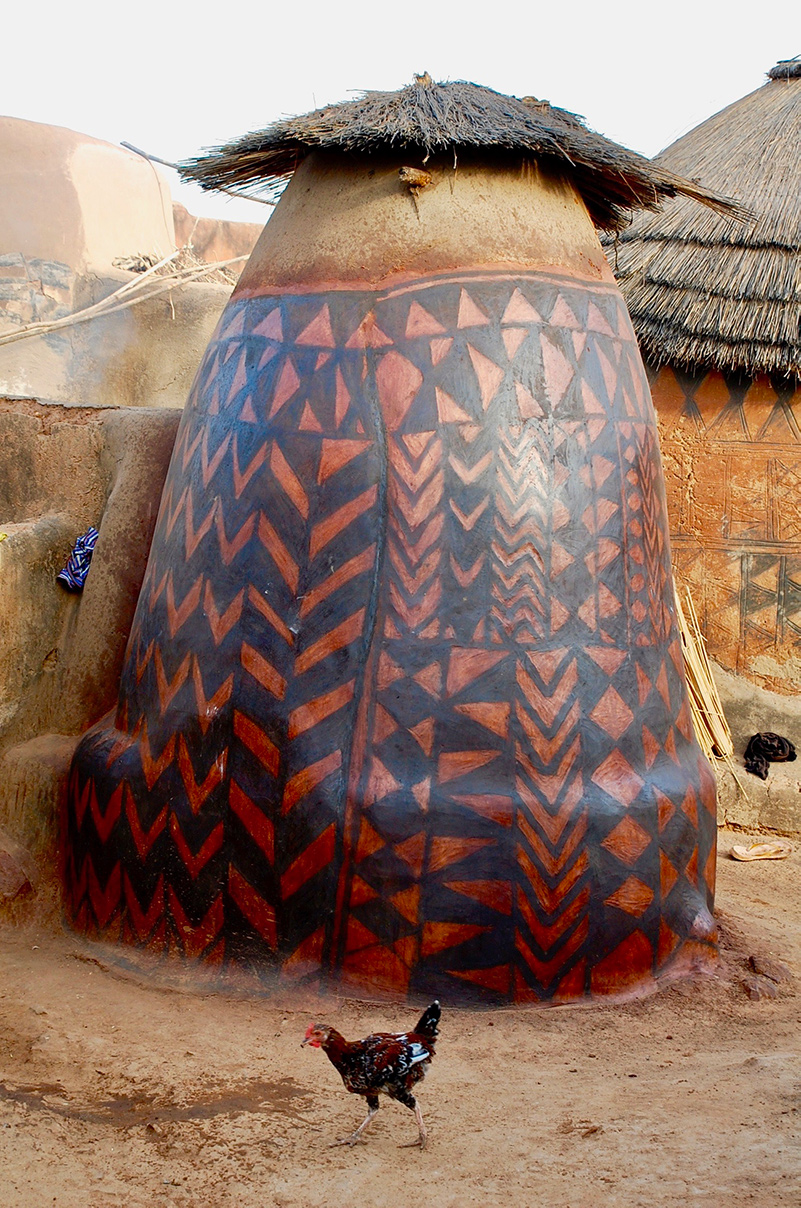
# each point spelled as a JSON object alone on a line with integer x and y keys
{"x": 119, "y": 1090}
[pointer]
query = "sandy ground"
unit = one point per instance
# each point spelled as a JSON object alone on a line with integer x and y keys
{"x": 119, "y": 1091}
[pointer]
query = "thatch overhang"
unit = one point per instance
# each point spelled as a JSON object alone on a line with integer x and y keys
{"x": 705, "y": 292}
{"x": 428, "y": 119}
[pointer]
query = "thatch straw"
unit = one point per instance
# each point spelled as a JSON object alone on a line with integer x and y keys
{"x": 709, "y": 721}
{"x": 429, "y": 119}
{"x": 702, "y": 292}
{"x": 786, "y": 69}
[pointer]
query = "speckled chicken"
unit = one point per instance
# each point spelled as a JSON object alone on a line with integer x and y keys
{"x": 384, "y": 1063}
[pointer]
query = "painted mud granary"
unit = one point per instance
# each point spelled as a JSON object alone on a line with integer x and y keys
{"x": 403, "y": 707}
{"x": 717, "y": 308}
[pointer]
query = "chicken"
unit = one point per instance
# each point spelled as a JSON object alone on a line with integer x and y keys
{"x": 384, "y": 1063}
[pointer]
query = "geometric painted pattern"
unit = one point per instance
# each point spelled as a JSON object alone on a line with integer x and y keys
{"x": 403, "y": 706}
{"x": 732, "y": 453}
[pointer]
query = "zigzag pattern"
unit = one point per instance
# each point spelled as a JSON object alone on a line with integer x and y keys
{"x": 552, "y": 892}
{"x": 415, "y": 534}
{"x": 390, "y": 712}
{"x": 657, "y": 570}
{"x": 248, "y": 828}
{"x": 527, "y": 508}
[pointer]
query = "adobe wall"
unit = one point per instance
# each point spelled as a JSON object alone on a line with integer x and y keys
{"x": 336, "y": 223}
{"x": 75, "y": 200}
{"x": 88, "y": 416}
{"x": 732, "y": 458}
{"x": 143, "y": 356}
{"x": 63, "y": 468}
{"x": 73, "y": 208}
{"x": 215, "y": 239}
{"x": 403, "y": 707}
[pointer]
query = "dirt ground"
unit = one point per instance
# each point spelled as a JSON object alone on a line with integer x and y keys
{"x": 116, "y": 1090}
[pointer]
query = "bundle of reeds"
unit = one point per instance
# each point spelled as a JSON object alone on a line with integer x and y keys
{"x": 709, "y": 721}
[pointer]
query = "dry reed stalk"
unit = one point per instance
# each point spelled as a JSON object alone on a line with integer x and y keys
{"x": 129, "y": 294}
{"x": 709, "y": 721}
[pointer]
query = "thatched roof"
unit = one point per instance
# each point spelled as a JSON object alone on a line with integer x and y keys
{"x": 704, "y": 292}
{"x": 427, "y": 118}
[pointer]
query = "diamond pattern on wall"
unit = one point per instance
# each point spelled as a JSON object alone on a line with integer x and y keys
{"x": 732, "y": 451}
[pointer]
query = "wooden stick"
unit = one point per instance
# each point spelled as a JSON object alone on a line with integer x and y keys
{"x": 155, "y": 160}
{"x": 127, "y": 295}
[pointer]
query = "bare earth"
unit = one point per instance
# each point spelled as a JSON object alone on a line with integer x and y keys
{"x": 116, "y": 1090}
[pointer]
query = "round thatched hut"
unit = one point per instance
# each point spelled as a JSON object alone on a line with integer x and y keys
{"x": 716, "y": 305}
{"x": 404, "y": 706}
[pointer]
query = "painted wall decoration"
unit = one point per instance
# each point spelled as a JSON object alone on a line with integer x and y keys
{"x": 403, "y": 706}
{"x": 732, "y": 456}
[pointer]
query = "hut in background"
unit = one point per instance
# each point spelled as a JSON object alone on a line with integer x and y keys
{"x": 716, "y": 305}
{"x": 403, "y": 704}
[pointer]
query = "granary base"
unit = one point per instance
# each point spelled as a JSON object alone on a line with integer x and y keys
{"x": 404, "y": 707}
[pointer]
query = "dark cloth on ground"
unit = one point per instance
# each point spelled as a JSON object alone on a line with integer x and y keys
{"x": 767, "y": 748}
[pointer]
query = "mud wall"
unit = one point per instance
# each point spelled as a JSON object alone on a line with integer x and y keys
{"x": 732, "y": 457}
{"x": 61, "y": 469}
{"x": 88, "y": 415}
{"x": 74, "y": 211}
{"x": 403, "y": 707}
{"x": 143, "y": 356}
{"x": 76, "y": 200}
{"x": 215, "y": 239}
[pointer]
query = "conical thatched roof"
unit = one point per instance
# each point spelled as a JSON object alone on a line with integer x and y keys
{"x": 704, "y": 292}
{"x": 429, "y": 118}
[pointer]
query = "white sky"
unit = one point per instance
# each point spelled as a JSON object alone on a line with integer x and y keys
{"x": 173, "y": 78}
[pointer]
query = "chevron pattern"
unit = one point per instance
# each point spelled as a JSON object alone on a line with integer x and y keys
{"x": 527, "y": 508}
{"x": 403, "y": 705}
{"x": 553, "y": 890}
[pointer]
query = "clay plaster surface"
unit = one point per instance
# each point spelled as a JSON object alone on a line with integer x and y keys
{"x": 773, "y": 804}
{"x": 732, "y": 459}
{"x": 490, "y": 428}
{"x": 73, "y": 208}
{"x": 340, "y": 223}
{"x": 61, "y": 469}
{"x": 142, "y": 356}
{"x": 77, "y": 200}
{"x": 214, "y": 239}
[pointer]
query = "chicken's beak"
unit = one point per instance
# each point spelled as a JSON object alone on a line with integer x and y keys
{"x": 303, "y": 1043}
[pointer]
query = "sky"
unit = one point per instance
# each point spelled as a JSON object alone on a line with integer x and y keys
{"x": 173, "y": 79}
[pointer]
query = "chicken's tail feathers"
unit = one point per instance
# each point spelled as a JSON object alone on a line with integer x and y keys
{"x": 427, "y": 1024}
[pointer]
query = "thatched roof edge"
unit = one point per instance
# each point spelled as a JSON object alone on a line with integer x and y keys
{"x": 704, "y": 293}
{"x": 427, "y": 118}
{"x": 786, "y": 69}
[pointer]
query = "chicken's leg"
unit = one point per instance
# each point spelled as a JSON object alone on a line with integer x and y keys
{"x": 355, "y": 1137}
{"x": 422, "y": 1137}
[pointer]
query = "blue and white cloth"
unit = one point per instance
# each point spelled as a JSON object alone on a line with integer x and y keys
{"x": 73, "y": 576}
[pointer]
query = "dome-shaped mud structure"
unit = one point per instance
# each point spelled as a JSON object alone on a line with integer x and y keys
{"x": 404, "y": 707}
